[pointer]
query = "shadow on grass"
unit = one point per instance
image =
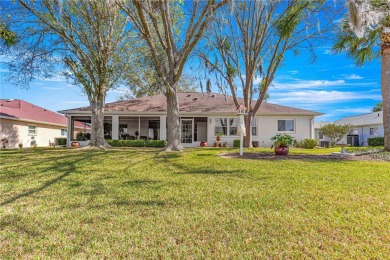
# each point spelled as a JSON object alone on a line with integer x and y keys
{"x": 290, "y": 157}
{"x": 67, "y": 167}
{"x": 179, "y": 166}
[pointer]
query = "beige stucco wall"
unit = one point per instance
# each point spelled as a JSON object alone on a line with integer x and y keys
{"x": 17, "y": 132}
{"x": 267, "y": 128}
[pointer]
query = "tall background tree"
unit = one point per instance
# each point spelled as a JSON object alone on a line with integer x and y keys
{"x": 171, "y": 39}
{"x": 89, "y": 40}
{"x": 247, "y": 43}
{"x": 367, "y": 26}
{"x": 378, "y": 107}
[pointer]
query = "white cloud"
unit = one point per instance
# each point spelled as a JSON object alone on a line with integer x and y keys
{"x": 315, "y": 97}
{"x": 357, "y": 110}
{"x": 293, "y": 72}
{"x": 305, "y": 84}
{"x": 352, "y": 76}
{"x": 4, "y": 70}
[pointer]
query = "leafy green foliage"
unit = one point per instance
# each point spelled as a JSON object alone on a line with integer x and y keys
{"x": 236, "y": 143}
{"x": 61, "y": 141}
{"x": 335, "y": 132}
{"x": 282, "y": 140}
{"x": 137, "y": 143}
{"x": 376, "y": 141}
{"x": 7, "y": 35}
{"x": 361, "y": 50}
{"x": 306, "y": 144}
{"x": 378, "y": 107}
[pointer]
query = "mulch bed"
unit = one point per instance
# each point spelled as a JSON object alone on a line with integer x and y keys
{"x": 308, "y": 157}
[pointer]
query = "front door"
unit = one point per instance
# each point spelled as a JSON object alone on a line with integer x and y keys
{"x": 187, "y": 132}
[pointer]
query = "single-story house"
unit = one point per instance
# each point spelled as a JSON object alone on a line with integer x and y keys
{"x": 201, "y": 117}
{"x": 363, "y": 127}
{"x": 27, "y": 124}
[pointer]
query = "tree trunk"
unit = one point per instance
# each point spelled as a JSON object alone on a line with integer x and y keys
{"x": 173, "y": 120}
{"x": 248, "y": 130}
{"x": 97, "y": 124}
{"x": 386, "y": 86}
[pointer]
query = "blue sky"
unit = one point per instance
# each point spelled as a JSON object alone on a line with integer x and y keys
{"x": 332, "y": 85}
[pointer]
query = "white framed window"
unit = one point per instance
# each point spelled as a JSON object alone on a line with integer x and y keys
{"x": 233, "y": 126}
{"x": 254, "y": 126}
{"x": 286, "y": 125}
{"x": 64, "y": 132}
{"x": 229, "y": 126}
{"x": 374, "y": 131}
{"x": 32, "y": 130}
{"x": 221, "y": 126}
{"x": 320, "y": 135}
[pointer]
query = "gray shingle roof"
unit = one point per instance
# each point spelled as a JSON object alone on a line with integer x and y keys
{"x": 194, "y": 103}
{"x": 375, "y": 118}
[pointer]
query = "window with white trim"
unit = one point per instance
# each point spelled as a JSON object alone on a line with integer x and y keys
{"x": 286, "y": 125}
{"x": 320, "y": 135}
{"x": 32, "y": 130}
{"x": 254, "y": 126}
{"x": 229, "y": 126}
{"x": 64, "y": 132}
{"x": 374, "y": 131}
{"x": 221, "y": 126}
{"x": 233, "y": 126}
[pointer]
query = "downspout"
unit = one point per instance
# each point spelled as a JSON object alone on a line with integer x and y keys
{"x": 69, "y": 130}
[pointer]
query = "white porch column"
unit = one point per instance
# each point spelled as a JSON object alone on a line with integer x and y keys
{"x": 312, "y": 133}
{"x": 69, "y": 130}
{"x": 163, "y": 128}
{"x": 115, "y": 128}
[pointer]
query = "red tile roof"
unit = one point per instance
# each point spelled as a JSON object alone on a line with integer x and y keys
{"x": 194, "y": 103}
{"x": 22, "y": 110}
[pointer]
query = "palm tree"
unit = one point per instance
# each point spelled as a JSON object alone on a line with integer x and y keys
{"x": 368, "y": 25}
{"x": 378, "y": 107}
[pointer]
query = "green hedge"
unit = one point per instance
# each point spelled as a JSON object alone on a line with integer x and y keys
{"x": 137, "y": 143}
{"x": 376, "y": 141}
{"x": 236, "y": 143}
{"x": 61, "y": 141}
{"x": 307, "y": 144}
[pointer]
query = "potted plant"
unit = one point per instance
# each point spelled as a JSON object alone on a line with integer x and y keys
{"x": 4, "y": 142}
{"x": 219, "y": 134}
{"x": 281, "y": 143}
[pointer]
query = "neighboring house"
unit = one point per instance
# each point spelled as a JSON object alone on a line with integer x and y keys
{"x": 321, "y": 138}
{"x": 25, "y": 123}
{"x": 363, "y": 127}
{"x": 201, "y": 117}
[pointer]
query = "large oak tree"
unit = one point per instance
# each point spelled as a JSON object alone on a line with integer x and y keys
{"x": 248, "y": 43}
{"x": 171, "y": 39}
{"x": 88, "y": 39}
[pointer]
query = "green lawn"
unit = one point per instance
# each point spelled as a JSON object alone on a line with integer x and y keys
{"x": 142, "y": 203}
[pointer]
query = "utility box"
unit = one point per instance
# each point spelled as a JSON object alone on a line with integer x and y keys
{"x": 324, "y": 144}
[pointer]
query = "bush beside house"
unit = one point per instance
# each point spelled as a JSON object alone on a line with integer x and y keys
{"x": 376, "y": 141}
{"x": 137, "y": 143}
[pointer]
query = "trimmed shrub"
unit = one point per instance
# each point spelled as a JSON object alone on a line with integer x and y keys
{"x": 61, "y": 141}
{"x": 155, "y": 143}
{"x": 306, "y": 144}
{"x": 376, "y": 141}
{"x": 236, "y": 143}
{"x": 136, "y": 143}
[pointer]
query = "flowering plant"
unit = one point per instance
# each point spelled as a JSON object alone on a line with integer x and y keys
{"x": 282, "y": 140}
